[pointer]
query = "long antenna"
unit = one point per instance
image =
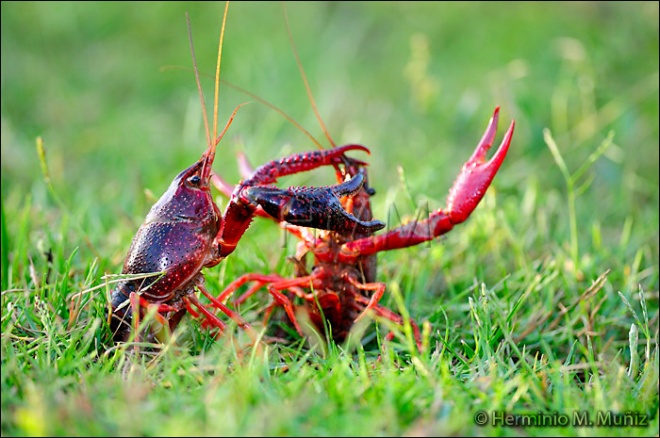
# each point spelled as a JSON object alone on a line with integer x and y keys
{"x": 304, "y": 77}
{"x": 217, "y": 74}
{"x": 257, "y": 98}
{"x": 212, "y": 143}
{"x": 274, "y": 108}
{"x": 199, "y": 85}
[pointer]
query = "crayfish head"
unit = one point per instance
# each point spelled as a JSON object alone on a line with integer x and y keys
{"x": 188, "y": 198}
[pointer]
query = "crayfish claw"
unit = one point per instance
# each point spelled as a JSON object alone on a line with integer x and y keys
{"x": 314, "y": 207}
{"x": 477, "y": 174}
{"x": 479, "y": 155}
{"x": 348, "y": 187}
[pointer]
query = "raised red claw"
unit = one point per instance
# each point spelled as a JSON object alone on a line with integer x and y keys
{"x": 296, "y": 163}
{"x": 467, "y": 191}
{"x": 477, "y": 174}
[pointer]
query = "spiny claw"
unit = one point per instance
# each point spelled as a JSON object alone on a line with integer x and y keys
{"x": 296, "y": 163}
{"x": 315, "y": 207}
{"x": 340, "y": 150}
{"x": 337, "y": 154}
{"x": 477, "y": 174}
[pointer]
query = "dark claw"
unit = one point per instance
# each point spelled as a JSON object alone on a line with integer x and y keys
{"x": 346, "y": 188}
{"x": 314, "y": 207}
{"x": 352, "y": 166}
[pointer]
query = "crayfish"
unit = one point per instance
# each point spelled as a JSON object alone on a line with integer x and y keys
{"x": 185, "y": 232}
{"x": 340, "y": 286}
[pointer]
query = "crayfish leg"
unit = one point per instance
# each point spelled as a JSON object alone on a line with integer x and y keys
{"x": 227, "y": 311}
{"x": 378, "y": 289}
{"x": 134, "y": 299}
{"x": 386, "y": 313}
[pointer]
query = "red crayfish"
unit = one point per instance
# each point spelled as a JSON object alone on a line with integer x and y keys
{"x": 340, "y": 286}
{"x": 185, "y": 232}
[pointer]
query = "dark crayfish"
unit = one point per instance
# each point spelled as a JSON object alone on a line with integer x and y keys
{"x": 185, "y": 232}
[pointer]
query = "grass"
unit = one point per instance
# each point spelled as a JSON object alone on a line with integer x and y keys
{"x": 544, "y": 302}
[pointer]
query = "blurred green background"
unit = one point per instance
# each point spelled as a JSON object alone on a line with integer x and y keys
{"x": 110, "y": 89}
{"x": 416, "y": 82}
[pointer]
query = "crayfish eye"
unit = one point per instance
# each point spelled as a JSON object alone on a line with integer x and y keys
{"x": 194, "y": 180}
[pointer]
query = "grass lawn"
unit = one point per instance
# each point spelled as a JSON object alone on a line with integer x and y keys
{"x": 540, "y": 313}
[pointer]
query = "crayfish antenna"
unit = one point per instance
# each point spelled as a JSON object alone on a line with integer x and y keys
{"x": 217, "y": 74}
{"x": 199, "y": 84}
{"x": 274, "y": 108}
{"x": 212, "y": 142}
{"x": 304, "y": 77}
